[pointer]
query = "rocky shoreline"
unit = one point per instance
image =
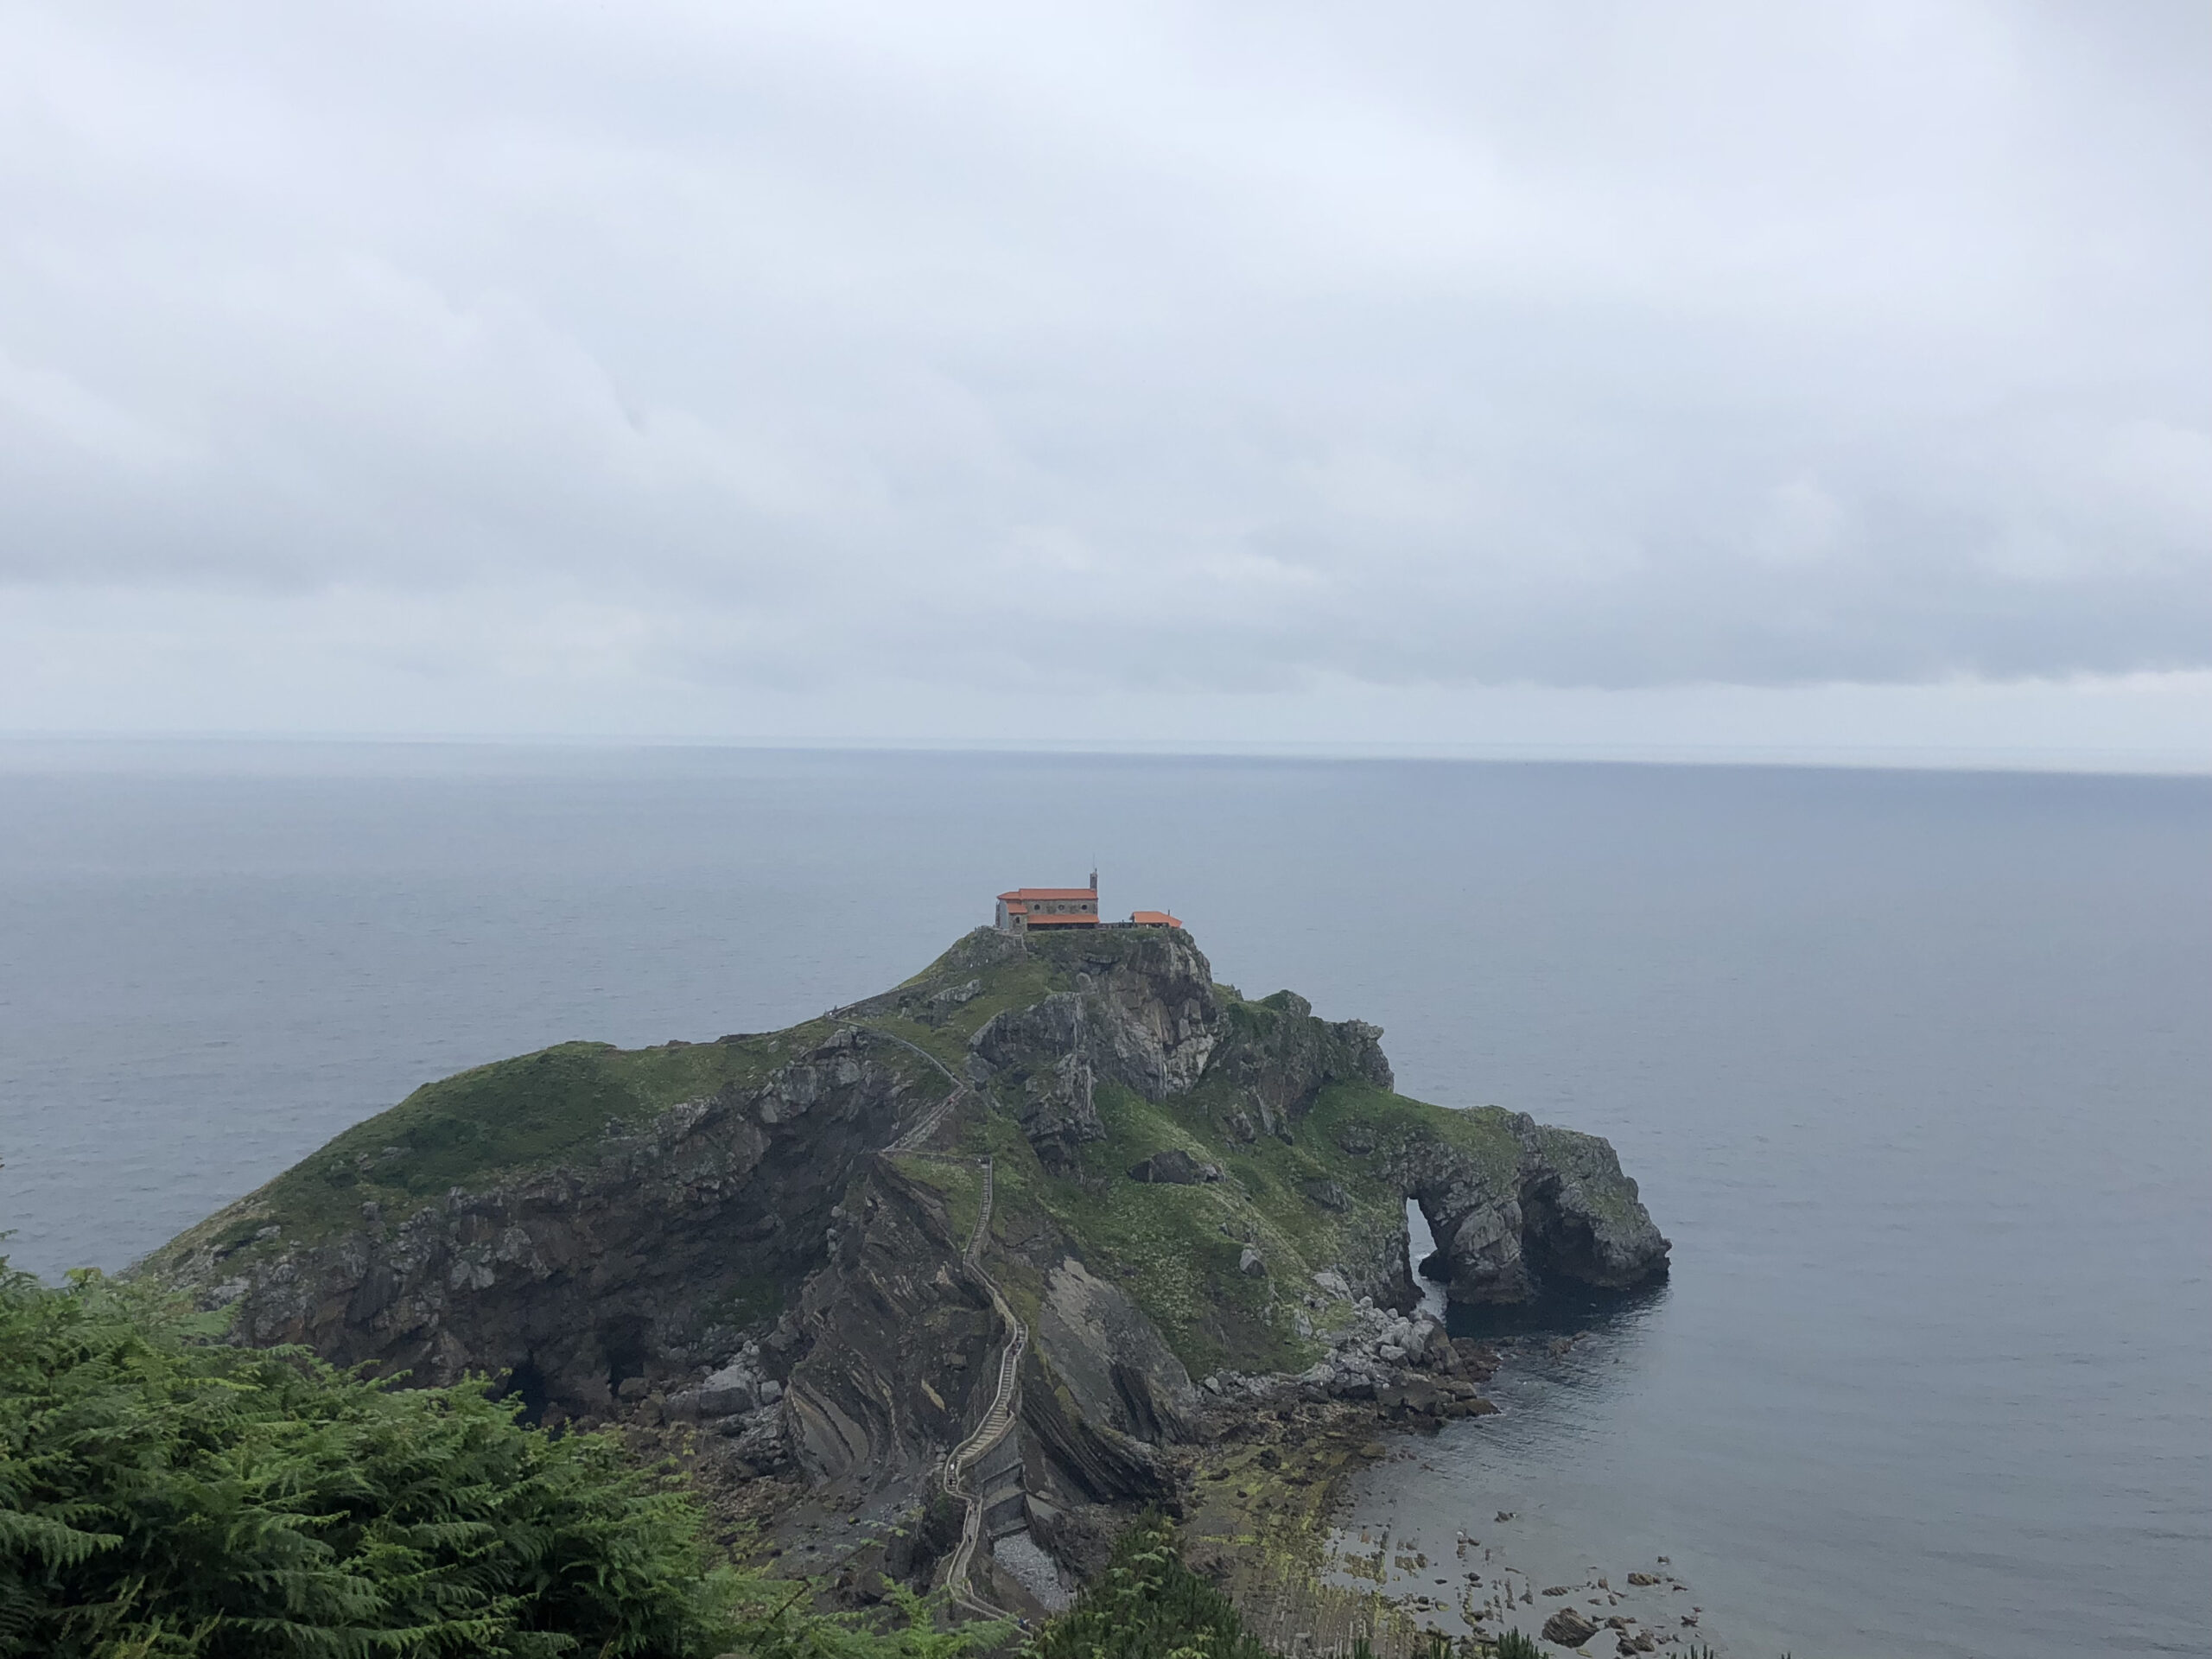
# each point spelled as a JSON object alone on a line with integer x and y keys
{"x": 1404, "y": 1362}
{"x": 1271, "y": 1516}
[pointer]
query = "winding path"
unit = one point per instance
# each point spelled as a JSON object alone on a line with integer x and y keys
{"x": 997, "y": 1421}
{"x": 1005, "y": 1400}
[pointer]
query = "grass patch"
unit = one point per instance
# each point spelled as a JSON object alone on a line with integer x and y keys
{"x": 960, "y": 1184}
{"x": 1017, "y": 984}
{"x": 493, "y": 1121}
{"x": 1176, "y": 1249}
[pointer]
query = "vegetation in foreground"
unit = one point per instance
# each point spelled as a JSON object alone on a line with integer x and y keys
{"x": 163, "y": 1494}
{"x": 1149, "y": 1605}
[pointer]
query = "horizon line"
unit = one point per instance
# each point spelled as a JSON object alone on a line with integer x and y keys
{"x": 2173, "y": 763}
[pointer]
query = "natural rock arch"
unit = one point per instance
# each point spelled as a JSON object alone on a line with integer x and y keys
{"x": 1561, "y": 1210}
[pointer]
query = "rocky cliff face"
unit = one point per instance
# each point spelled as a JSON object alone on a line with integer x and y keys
{"x": 1145, "y": 1016}
{"x": 896, "y": 1340}
{"x": 777, "y": 1238}
{"x": 1563, "y": 1210}
{"x": 1280, "y": 1057}
{"x": 653, "y": 1249}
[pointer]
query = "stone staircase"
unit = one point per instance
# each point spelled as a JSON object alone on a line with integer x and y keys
{"x": 960, "y": 1463}
{"x": 957, "y": 1474}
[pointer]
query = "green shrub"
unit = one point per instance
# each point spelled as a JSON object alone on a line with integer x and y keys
{"x": 772, "y": 1623}
{"x": 1516, "y": 1644}
{"x": 1147, "y": 1605}
{"x": 162, "y": 1494}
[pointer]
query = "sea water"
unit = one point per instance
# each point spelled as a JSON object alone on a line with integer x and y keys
{"x": 1915, "y": 1070}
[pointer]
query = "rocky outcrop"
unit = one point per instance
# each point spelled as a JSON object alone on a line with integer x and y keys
{"x": 1174, "y": 1167}
{"x": 647, "y": 1261}
{"x": 1562, "y": 1209}
{"x": 1058, "y": 1112}
{"x": 1080, "y": 1476}
{"x": 1277, "y": 1056}
{"x": 897, "y": 1340}
{"x": 1143, "y": 1014}
{"x": 1403, "y": 1364}
{"x": 1570, "y": 1627}
{"x": 1111, "y": 1358}
{"x": 900, "y": 1351}
{"x": 1330, "y": 1195}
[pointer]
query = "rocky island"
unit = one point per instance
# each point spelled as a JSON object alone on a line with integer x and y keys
{"x": 944, "y": 1284}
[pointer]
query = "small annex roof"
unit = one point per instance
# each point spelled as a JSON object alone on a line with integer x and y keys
{"x": 1030, "y": 894}
{"x": 1154, "y": 918}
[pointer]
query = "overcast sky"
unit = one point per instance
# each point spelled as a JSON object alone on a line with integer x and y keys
{"x": 1554, "y": 374}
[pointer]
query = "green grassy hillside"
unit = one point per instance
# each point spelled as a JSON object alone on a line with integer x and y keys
{"x": 490, "y": 1123}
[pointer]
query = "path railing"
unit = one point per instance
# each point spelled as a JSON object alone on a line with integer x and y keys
{"x": 963, "y": 1459}
{"x": 959, "y": 1463}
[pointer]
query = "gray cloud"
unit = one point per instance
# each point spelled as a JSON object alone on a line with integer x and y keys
{"x": 1568, "y": 345}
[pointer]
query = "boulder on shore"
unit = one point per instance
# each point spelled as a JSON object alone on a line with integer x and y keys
{"x": 1569, "y": 1627}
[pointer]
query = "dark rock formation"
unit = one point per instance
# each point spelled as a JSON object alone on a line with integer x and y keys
{"x": 1143, "y": 1015}
{"x": 651, "y": 1257}
{"x": 1057, "y": 1111}
{"x": 1116, "y": 1368}
{"x": 1569, "y": 1627}
{"x": 899, "y": 1341}
{"x": 1174, "y": 1167}
{"x": 1562, "y": 1208}
{"x": 1280, "y": 1057}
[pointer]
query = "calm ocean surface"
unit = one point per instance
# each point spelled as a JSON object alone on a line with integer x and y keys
{"x": 1915, "y": 1069}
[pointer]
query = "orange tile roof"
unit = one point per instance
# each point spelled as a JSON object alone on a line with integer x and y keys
{"x": 1049, "y": 892}
{"x": 1154, "y": 918}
